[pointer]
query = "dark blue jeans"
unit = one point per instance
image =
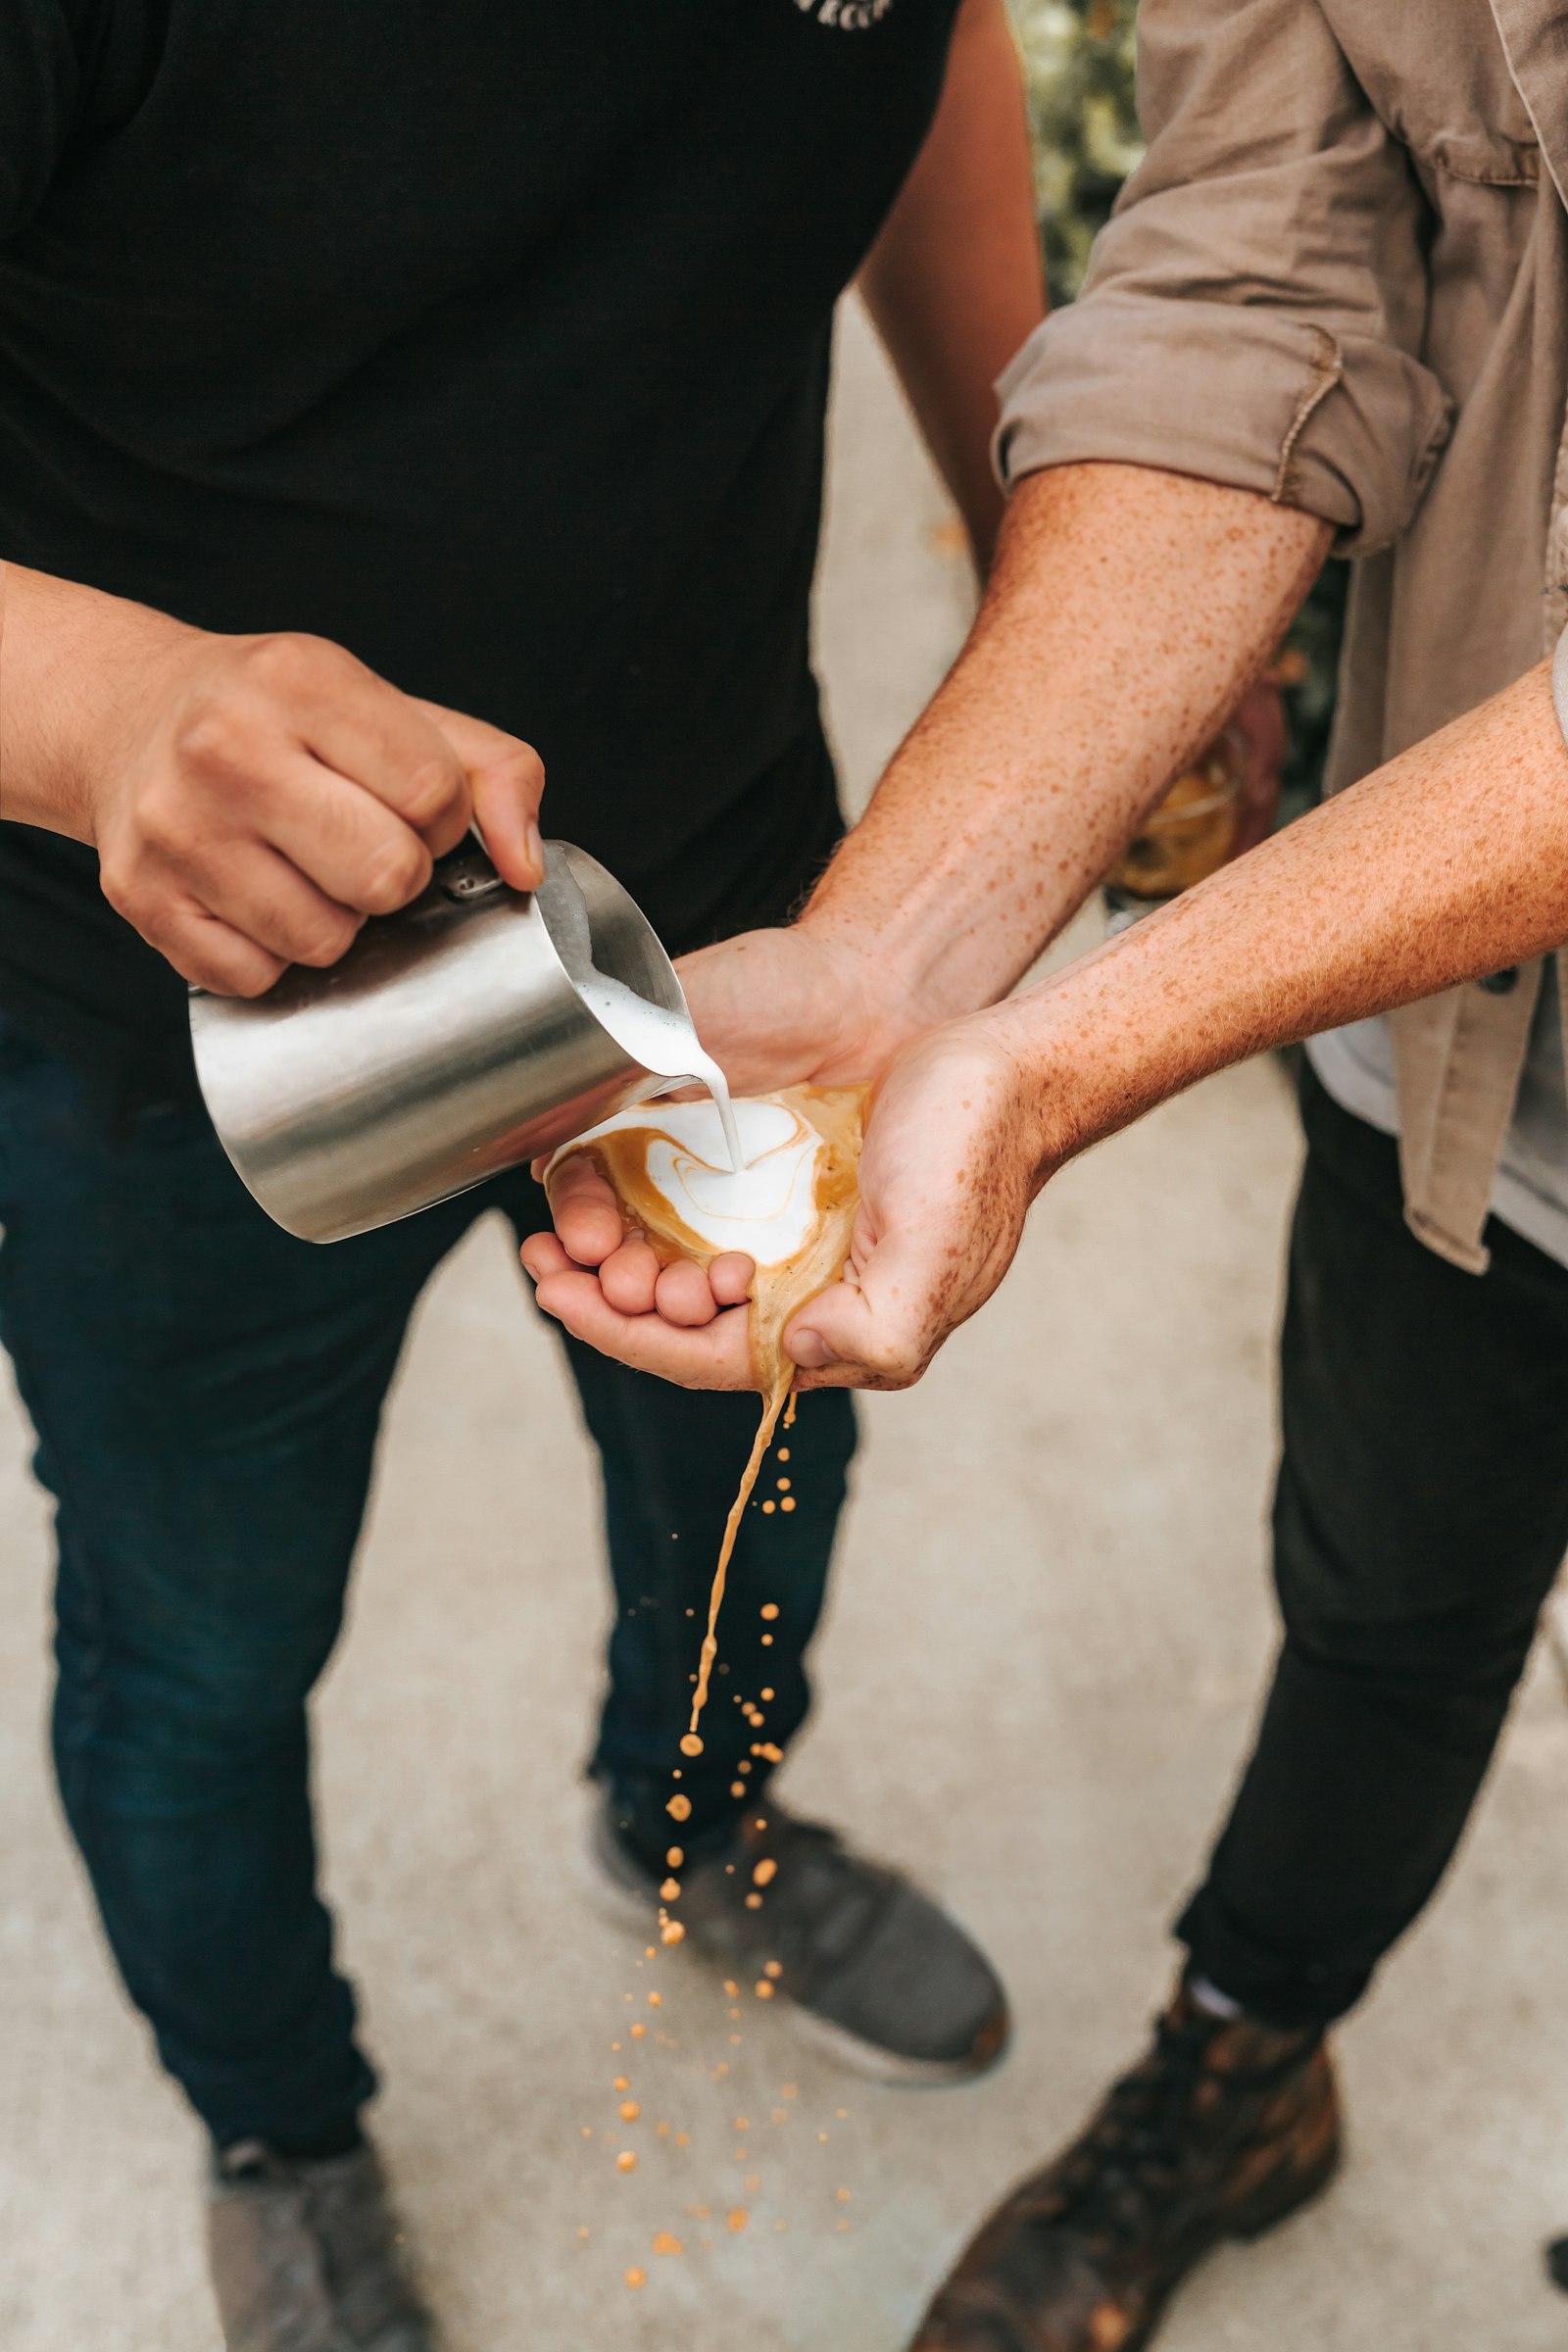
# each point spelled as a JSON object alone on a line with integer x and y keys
{"x": 206, "y": 1394}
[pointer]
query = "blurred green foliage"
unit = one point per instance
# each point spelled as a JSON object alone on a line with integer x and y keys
{"x": 1080, "y": 60}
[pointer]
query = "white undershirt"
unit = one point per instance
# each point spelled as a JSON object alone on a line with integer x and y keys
{"x": 1531, "y": 1193}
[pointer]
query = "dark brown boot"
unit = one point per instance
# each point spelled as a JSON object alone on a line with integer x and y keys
{"x": 1224, "y": 2129}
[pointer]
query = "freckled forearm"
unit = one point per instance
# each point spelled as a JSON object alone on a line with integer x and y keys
{"x": 1128, "y": 612}
{"x": 1450, "y": 862}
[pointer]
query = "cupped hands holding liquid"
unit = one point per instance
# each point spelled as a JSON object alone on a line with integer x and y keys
{"x": 774, "y": 1008}
{"x": 950, "y": 1165}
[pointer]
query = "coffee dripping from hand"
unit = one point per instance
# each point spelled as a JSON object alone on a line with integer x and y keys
{"x": 787, "y": 1198}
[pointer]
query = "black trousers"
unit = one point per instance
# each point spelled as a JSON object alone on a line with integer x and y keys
{"x": 1419, "y": 1521}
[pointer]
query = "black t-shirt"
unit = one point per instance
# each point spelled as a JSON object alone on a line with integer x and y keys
{"x": 489, "y": 338}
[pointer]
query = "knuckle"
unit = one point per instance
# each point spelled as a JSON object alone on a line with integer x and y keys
{"x": 115, "y": 876}
{"x": 516, "y": 769}
{"x": 211, "y": 737}
{"x": 224, "y": 963}
{"x": 324, "y": 939}
{"x": 894, "y": 1360}
{"x": 391, "y": 874}
{"x": 165, "y": 821}
{"x": 432, "y": 787}
{"x": 520, "y": 760}
{"x": 119, "y": 877}
{"x": 287, "y": 661}
{"x": 251, "y": 978}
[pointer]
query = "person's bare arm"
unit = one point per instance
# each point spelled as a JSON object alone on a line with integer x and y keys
{"x": 1128, "y": 612}
{"x": 954, "y": 282}
{"x": 1132, "y": 601}
{"x": 1448, "y": 863}
{"x": 1445, "y": 865}
{"x": 251, "y": 799}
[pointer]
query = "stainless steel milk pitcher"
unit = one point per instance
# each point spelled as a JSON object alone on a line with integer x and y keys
{"x": 449, "y": 1043}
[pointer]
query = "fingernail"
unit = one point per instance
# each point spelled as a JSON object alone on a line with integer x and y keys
{"x": 810, "y": 1351}
{"x": 533, "y": 843}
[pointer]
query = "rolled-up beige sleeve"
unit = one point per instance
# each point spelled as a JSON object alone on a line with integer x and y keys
{"x": 1254, "y": 308}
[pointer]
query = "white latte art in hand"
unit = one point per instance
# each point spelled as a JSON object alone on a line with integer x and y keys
{"x": 768, "y": 1209}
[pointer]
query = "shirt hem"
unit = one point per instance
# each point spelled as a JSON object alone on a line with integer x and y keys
{"x": 1357, "y": 1090}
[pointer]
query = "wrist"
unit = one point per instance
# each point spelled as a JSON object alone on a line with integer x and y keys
{"x": 85, "y": 675}
{"x": 882, "y": 994}
{"x": 1071, "y": 1089}
{"x": 1029, "y": 1096}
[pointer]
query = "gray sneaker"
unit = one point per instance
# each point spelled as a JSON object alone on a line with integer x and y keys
{"x": 305, "y": 2257}
{"x": 877, "y": 1973}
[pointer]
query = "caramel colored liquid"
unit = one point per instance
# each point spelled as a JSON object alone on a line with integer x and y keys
{"x": 836, "y": 1113}
{"x": 773, "y": 1406}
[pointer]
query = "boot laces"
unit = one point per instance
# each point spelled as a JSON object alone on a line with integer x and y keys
{"x": 1134, "y": 2152}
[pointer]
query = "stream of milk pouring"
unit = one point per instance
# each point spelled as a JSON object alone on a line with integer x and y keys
{"x": 664, "y": 1042}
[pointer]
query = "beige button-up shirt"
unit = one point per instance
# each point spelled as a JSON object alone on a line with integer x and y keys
{"x": 1340, "y": 278}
